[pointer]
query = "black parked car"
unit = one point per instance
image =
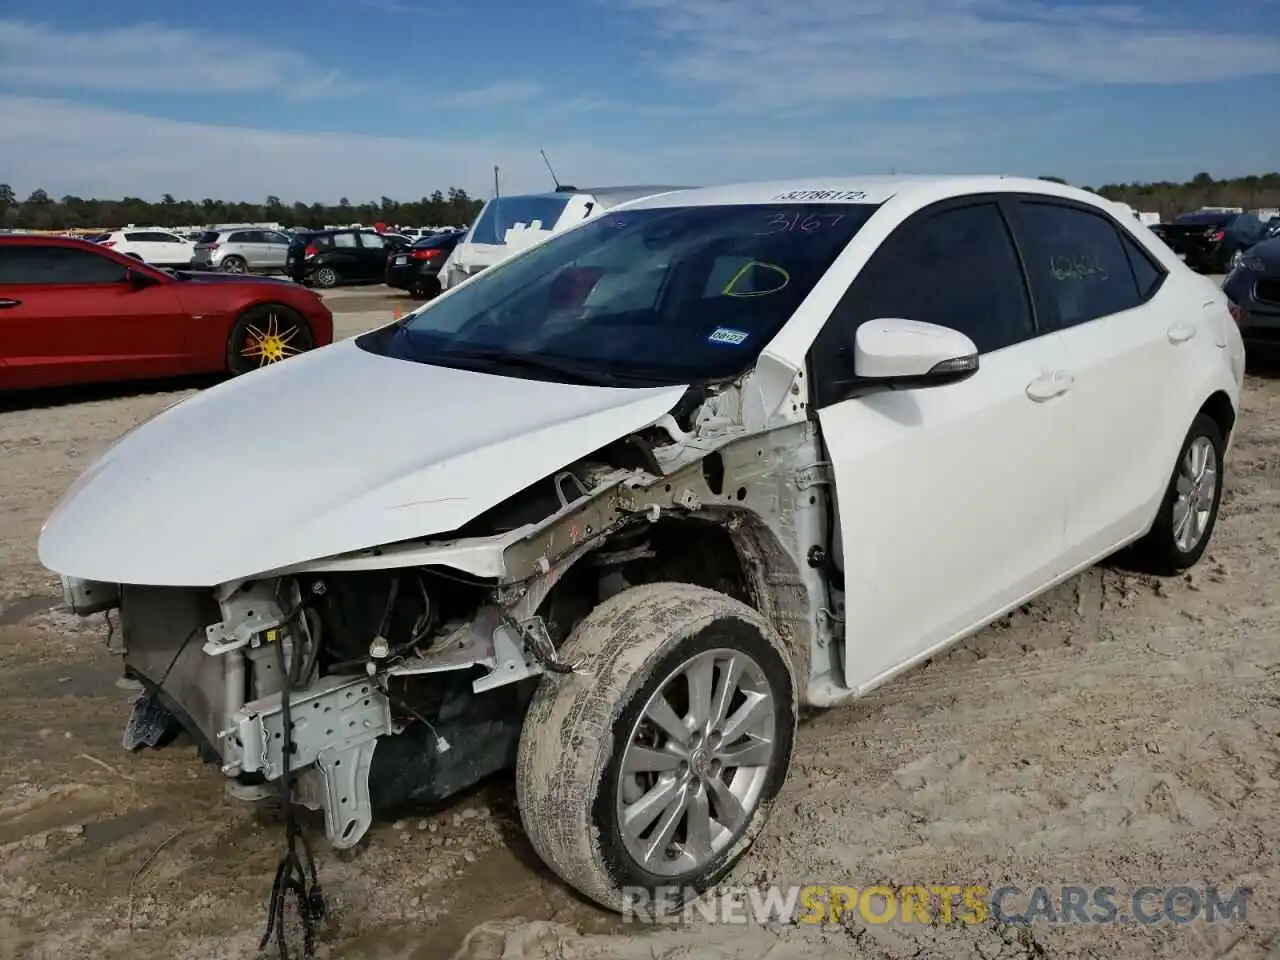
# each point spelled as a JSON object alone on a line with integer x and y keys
{"x": 1254, "y": 290}
{"x": 1210, "y": 241}
{"x": 326, "y": 258}
{"x": 418, "y": 268}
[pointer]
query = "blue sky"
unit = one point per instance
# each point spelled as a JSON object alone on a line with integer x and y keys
{"x": 310, "y": 100}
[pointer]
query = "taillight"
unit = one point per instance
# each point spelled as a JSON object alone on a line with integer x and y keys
{"x": 212, "y": 247}
{"x": 429, "y": 254}
{"x": 108, "y": 243}
{"x": 1235, "y": 312}
{"x": 1215, "y": 235}
{"x": 311, "y": 250}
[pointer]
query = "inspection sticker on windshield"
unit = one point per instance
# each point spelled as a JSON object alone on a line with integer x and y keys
{"x": 727, "y": 335}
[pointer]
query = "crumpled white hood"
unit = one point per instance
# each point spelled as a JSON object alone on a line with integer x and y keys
{"x": 333, "y": 451}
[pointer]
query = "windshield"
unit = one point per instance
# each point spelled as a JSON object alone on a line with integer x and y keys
{"x": 504, "y": 213}
{"x": 673, "y": 295}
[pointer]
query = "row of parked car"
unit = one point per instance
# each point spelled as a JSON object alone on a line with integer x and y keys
{"x": 1216, "y": 241}
{"x": 321, "y": 258}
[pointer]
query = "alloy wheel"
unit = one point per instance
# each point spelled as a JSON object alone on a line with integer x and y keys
{"x": 1197, "y": 488}
{"x": 695, "y": 765}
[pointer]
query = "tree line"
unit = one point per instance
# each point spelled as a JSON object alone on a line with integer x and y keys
{"x": 39, "y": 211}
{"x": 1256, "y": 191}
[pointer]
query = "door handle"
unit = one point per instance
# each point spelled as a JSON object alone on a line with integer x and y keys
{"x": 6, "y": 304}
{"x": 1046, "y": 387}
{"x": 1181, "y": 333}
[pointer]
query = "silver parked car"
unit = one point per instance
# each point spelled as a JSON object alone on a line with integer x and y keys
{"x": 241, "y": 251}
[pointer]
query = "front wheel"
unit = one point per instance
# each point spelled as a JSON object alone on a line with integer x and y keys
{"x": 264, "y": 335}
{"x": 1189, "y": 510}
{"x": 656, "y": 763}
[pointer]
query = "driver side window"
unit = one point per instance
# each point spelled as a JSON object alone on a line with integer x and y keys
{"x": 57, "y": 265}
{"x": 956, "y": 268}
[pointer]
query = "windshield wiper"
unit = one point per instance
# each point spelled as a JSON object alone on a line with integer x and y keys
{"x": 492, "y": 358}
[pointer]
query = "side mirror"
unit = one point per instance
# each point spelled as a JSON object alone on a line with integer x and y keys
{"x": 911, "y": 353}
{"x": 138, "y": 280}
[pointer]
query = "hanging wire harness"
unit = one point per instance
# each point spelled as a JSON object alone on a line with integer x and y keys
{"x": 296, "y": 875}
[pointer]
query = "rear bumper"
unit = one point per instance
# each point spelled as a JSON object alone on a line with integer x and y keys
{"x": 402, "y": 276}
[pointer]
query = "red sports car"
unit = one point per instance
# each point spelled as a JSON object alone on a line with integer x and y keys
{"x": 73, "y": 312}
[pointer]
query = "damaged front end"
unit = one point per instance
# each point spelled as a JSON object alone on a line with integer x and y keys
{"x": 406, "y": 669}
{"x": 393, "y": 656}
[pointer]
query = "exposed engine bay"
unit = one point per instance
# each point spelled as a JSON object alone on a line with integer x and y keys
{"x": 399, "y": 676}
{"x": 409, "y": 679}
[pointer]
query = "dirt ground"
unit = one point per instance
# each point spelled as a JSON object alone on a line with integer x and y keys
{"x": 1121, "y": 730}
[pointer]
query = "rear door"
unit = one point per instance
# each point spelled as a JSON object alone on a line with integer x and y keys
{"x": 1127, "y": 350}
{"x": 951, "y": 500}
{"x": 275, "y": 247}
{"x": 71, "y": 315}
{"x": 373, "y": 256}
{"x": 342, "y": 252}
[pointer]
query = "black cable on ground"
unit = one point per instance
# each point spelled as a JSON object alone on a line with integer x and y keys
{"x": 296, "y": 873}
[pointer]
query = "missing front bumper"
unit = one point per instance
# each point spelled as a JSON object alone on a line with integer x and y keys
{"x": 335, "y": 727}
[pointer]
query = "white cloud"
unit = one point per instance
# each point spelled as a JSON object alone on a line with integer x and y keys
{"x": 494, "y": 95}
{"x": 807, "y": 51}
{"x": 69, "y": 148}
{"x": 154, "y": 58}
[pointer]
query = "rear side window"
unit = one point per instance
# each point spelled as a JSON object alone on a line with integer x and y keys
{"x": 57, "y": 265}
{"x": 150, "y": 236}
{"x": 1147, "y": 274}
{"x": 346, "y": 241}
{"x": 1077, "y": 262}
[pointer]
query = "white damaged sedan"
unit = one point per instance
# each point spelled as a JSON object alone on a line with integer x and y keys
{"x": 609, "y": 513}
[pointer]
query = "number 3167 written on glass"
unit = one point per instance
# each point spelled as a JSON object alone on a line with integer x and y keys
{"x": 801, "y": 222}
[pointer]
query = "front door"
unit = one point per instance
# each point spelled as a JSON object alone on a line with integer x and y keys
{"x": 73, "y": 316}
{"x": 951, "y": 501}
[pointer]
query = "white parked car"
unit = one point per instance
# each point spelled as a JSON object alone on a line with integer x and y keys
{"x": 610, "y": 512}
{"x": 151, "y": 245}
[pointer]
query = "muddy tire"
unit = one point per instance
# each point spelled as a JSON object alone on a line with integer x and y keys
{"x": 1189, "y": 510}
{"x": 598, "y": 747}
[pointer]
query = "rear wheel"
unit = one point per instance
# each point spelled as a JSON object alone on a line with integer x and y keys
{"x": 234, "y": 265}
{"x": 325, "y": 278}
{"x": 424, "y": 288}
{"x": 264, "y": 335}
{"x": 1189, "y": 510}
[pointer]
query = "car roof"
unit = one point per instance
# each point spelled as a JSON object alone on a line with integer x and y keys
{"x": 36, "y": 239}
{"x": 872, "y": 189}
